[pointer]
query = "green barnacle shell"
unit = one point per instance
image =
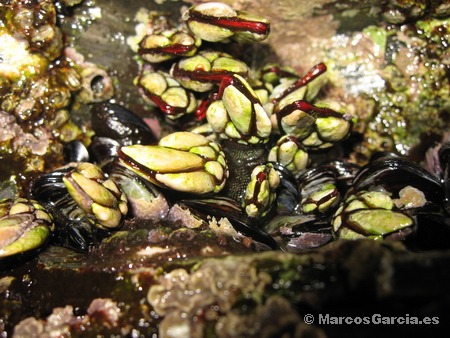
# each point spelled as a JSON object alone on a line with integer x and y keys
{"x": 239, "y": 108}
{"x": 260, "y": 192}
{"x": 289, "y": 152}
{"x": 176, "y": 97}
{"x": 316, "y": 126}
{"x": 154, "y": 41}
{"x": 377, "y": 222}
{"x": 239, "y": 114}
{"x": 97, "y": 195}
{"x": 217, "y": 117}
{"x": 298, "y": 123}
{"x": 369, "y": 214}
{"x": 166, "y": 45}
{"x": 154, "y": 82}
{"x": 321, "y": 200}
{"x": 216, "y": 21}
{"x": 166, "y": 92}
{"x": 226, "y": 63}
{"x": 252, "y": 35}
{"x": 333, "y": 128}
{"x": 24, "y": 225}
{"x": 202, "y": 71}
{"x": 192, "y": 65}
{"x": 182, "y": 161}
{"x": 207, "y": 31}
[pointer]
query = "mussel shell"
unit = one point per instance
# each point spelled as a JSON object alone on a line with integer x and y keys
{"x": 117, "y": 122}
{"x": 394, "y": 173}
{"x": 444, "y": 156}
{"x": 49, "y": 188}
{"x": 103, "y": 150}
{"x": 287, "y": 192}
{"x": 74, "y": 233}
{"x": 444, "y": 159}
{"x": 345, "y": 173}
{"x": 297, "y": 224}
{"x": 227, "y": 208}
{"x": 75, "y": 151}
{"x": 299, "y": 232}
{"x": 308, "y": 240}
{"x": 311, "y": 179}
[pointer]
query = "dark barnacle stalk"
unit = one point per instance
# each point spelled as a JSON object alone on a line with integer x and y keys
{"x": 242, "y": 159}
{"x": 303, "y": 87}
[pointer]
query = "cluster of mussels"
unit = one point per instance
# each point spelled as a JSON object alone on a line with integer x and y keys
{"x": 250, "y": 155}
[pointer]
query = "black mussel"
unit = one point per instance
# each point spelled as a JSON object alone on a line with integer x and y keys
{"x": 103, "y": 151}
{"x": 75, "y": 230}
{"x": 288, "y": 195}
{"x": 383, "y": 154}
{"x": 121, "y": 124}
{"x": 295, "y": 233}
{"x": 229, "y": 209}
{"x": 75, "y": 151}
{"x": 444, "y": 161}
{"x": 345, "y": 174}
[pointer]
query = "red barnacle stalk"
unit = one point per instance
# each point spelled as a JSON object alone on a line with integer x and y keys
{"x": 165, "y": 108}
{"x": 200, "y": 112}
{"x": 236, "y": 81}
{"x": 201, "y": 75}
{"x": 232, "y": 23}
{"x": 307, "y": 107}
{"x": 175, "y": 49}
{"x": 226, "y": 81}
{"x": 278, "y": 71}
{"x": 261, "y": 177}
{"x": 312, "y": 74}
